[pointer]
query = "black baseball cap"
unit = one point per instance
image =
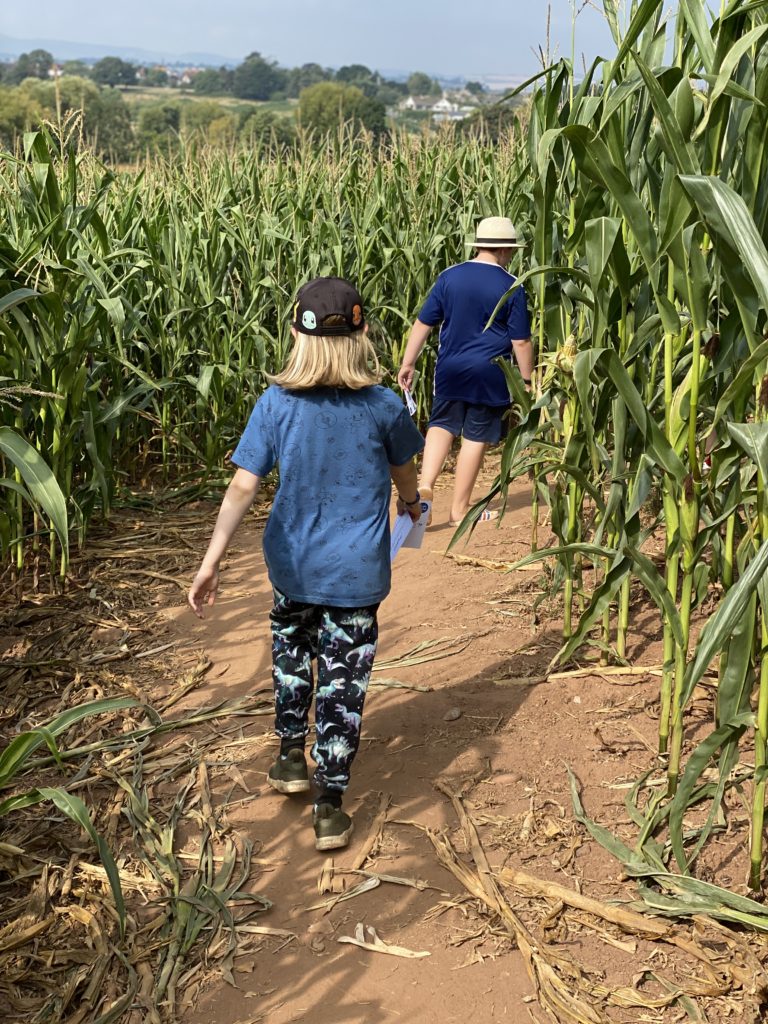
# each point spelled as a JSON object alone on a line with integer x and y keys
{"x": 328, "y": 297}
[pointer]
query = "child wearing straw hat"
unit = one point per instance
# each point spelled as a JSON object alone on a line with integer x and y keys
{"x": 340, "y": 441}
{"x": 471, "y": 397}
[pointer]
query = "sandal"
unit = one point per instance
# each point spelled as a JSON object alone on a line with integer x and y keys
{"x": 485, "y": 517}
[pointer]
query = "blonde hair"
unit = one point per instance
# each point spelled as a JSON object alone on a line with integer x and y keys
{"x": 332, "y": 361}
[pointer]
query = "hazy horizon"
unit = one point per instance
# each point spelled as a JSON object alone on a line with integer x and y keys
{"x": 435, "y": 37}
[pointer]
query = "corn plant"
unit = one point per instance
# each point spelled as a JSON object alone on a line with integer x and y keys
{"x": 149, "y": 306}
{"x": 14, "y": 760}
{"x": 649, "y": 219}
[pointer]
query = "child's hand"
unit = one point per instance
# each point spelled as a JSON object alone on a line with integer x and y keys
{"x": 405, "y": 376}
{"x": 414, "y": 511}
{"x": 203, "y": 589}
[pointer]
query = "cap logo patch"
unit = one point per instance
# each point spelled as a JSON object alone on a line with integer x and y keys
{"x": 309, "y": 320}
{"x": 357, "y": 315}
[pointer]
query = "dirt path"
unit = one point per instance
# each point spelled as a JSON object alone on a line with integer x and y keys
{"x": 504, "y": 747}
{"x": 472, "y": 726}
{"x": 407, "y": 745}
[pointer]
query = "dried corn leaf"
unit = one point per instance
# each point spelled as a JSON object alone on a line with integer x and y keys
{"x": 428, "y": 650}
{"x": 396, "y": 684}
{"x": 376, "y": 945}
{"x": 358, "y": 890}
{"x": 413, "y": 883}
{"x": 260, "y": 929}
{"x": 374, "y": 833}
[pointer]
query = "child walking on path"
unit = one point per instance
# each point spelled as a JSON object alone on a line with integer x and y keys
{"x": 340, "y": 440}
{"x": 471, "y": 397}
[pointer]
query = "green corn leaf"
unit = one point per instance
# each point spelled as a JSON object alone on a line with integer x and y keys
{"x": 736, "y": 680}
{"x": 600, "y": 236}
{"x": 115, "y": 312}
{"x": 76, "y": 811}
{"x": 742, "y": 382}
{"x": 611, "y": 11}
{"x": 698, "y": 19}
{"x": 604, "y": 837}
{"x": 688, "y": 900}
{"x": 731, "y": 61}
{"x": 40, "y": 481}
{"x": 656, "y": 586}
{"x": 697, "y": 762}
{"x": 656, "y": 444}
{"x": 720, "y": 627}
{"x": 74, "y": 808}
{"x": 15, "y": 298}
{"x": 644, "y": 12}
{"x": 753, "y": 439}
{"x": 567, "y": 272}
{"x": 16, "y": 487}
{"x": 577, "y": 548}
{"x": 595, "y": 160}
{"x": 16, "y": 754}
{"x": 681, "y": 149}
{"x": 738, "y": 7}
{"x": 601, "y": 599}
{"x": 727, "y": 216}
{"x": 583, "y": 365}
{"x": 733, "y": 89}
{"x": 528, "y": 82}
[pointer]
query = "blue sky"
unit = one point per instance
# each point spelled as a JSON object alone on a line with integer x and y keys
{"x": 442, "y": 36}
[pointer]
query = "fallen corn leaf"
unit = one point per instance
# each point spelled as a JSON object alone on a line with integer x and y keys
{"x": 377, "y": 945}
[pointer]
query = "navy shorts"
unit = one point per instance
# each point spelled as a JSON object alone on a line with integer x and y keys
{"x": 488, "y": 423}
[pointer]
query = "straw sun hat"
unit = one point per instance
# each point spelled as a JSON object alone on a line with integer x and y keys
{"x": 496, "y": 233}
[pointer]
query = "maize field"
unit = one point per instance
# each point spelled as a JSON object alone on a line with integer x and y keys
{"x": 140, "y": 311}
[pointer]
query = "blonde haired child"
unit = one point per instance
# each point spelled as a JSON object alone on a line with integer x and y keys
{"x": 339, "y": 440}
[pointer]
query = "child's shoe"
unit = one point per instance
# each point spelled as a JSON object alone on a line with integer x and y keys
{"x": 289, "y": 773}
{"x": 332, "y": 827}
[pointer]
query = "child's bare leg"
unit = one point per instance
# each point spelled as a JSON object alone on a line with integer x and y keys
{"x": 468, "y": 466}
{"x": 436, "y": 448}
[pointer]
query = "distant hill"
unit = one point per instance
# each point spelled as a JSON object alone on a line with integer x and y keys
{"x": 62, "y": 50}
{"x": 11, "y": 48}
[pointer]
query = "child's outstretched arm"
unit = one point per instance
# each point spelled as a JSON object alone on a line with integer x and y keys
{"x": 239, "y": 497}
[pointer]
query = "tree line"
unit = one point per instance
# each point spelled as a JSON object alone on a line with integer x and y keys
{"x": 255, "y": 78}
{"x": 35, "y": 89}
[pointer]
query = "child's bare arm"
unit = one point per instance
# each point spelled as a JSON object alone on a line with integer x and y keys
{"x": 416, "y": 341}
{"x": 524, "y": 356}
{"x": 405, "y": 480}
{"x": 239, "y": 497}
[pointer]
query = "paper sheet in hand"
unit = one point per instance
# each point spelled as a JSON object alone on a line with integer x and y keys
{"x": 406, "y": 533}
{"x": 409, "y": 402}
{"x": 402, "y": 527}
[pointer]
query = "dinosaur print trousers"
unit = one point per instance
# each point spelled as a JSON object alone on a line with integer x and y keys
{"x": 343, "y": 641}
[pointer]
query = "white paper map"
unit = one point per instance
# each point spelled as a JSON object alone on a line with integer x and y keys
{"x": 406, "y": 533}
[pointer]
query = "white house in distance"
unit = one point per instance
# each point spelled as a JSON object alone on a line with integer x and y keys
{"x": 417, "y": 103}
{"x": 444, "y": 109}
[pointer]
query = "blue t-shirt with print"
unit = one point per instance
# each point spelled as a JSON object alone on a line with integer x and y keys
{"x": 462, "y": 301}
{"x": 327, "y": 537}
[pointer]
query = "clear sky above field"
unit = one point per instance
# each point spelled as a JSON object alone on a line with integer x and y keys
{"x": 440, "y": 36}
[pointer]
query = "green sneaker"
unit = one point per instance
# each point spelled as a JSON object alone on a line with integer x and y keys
{"x": 289, "y": 773}
{"x": 332, "y": 827}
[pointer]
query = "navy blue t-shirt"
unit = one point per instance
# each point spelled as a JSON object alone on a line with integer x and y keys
{"x": 462, "y": 301}
{"x": 327, "y": 536}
